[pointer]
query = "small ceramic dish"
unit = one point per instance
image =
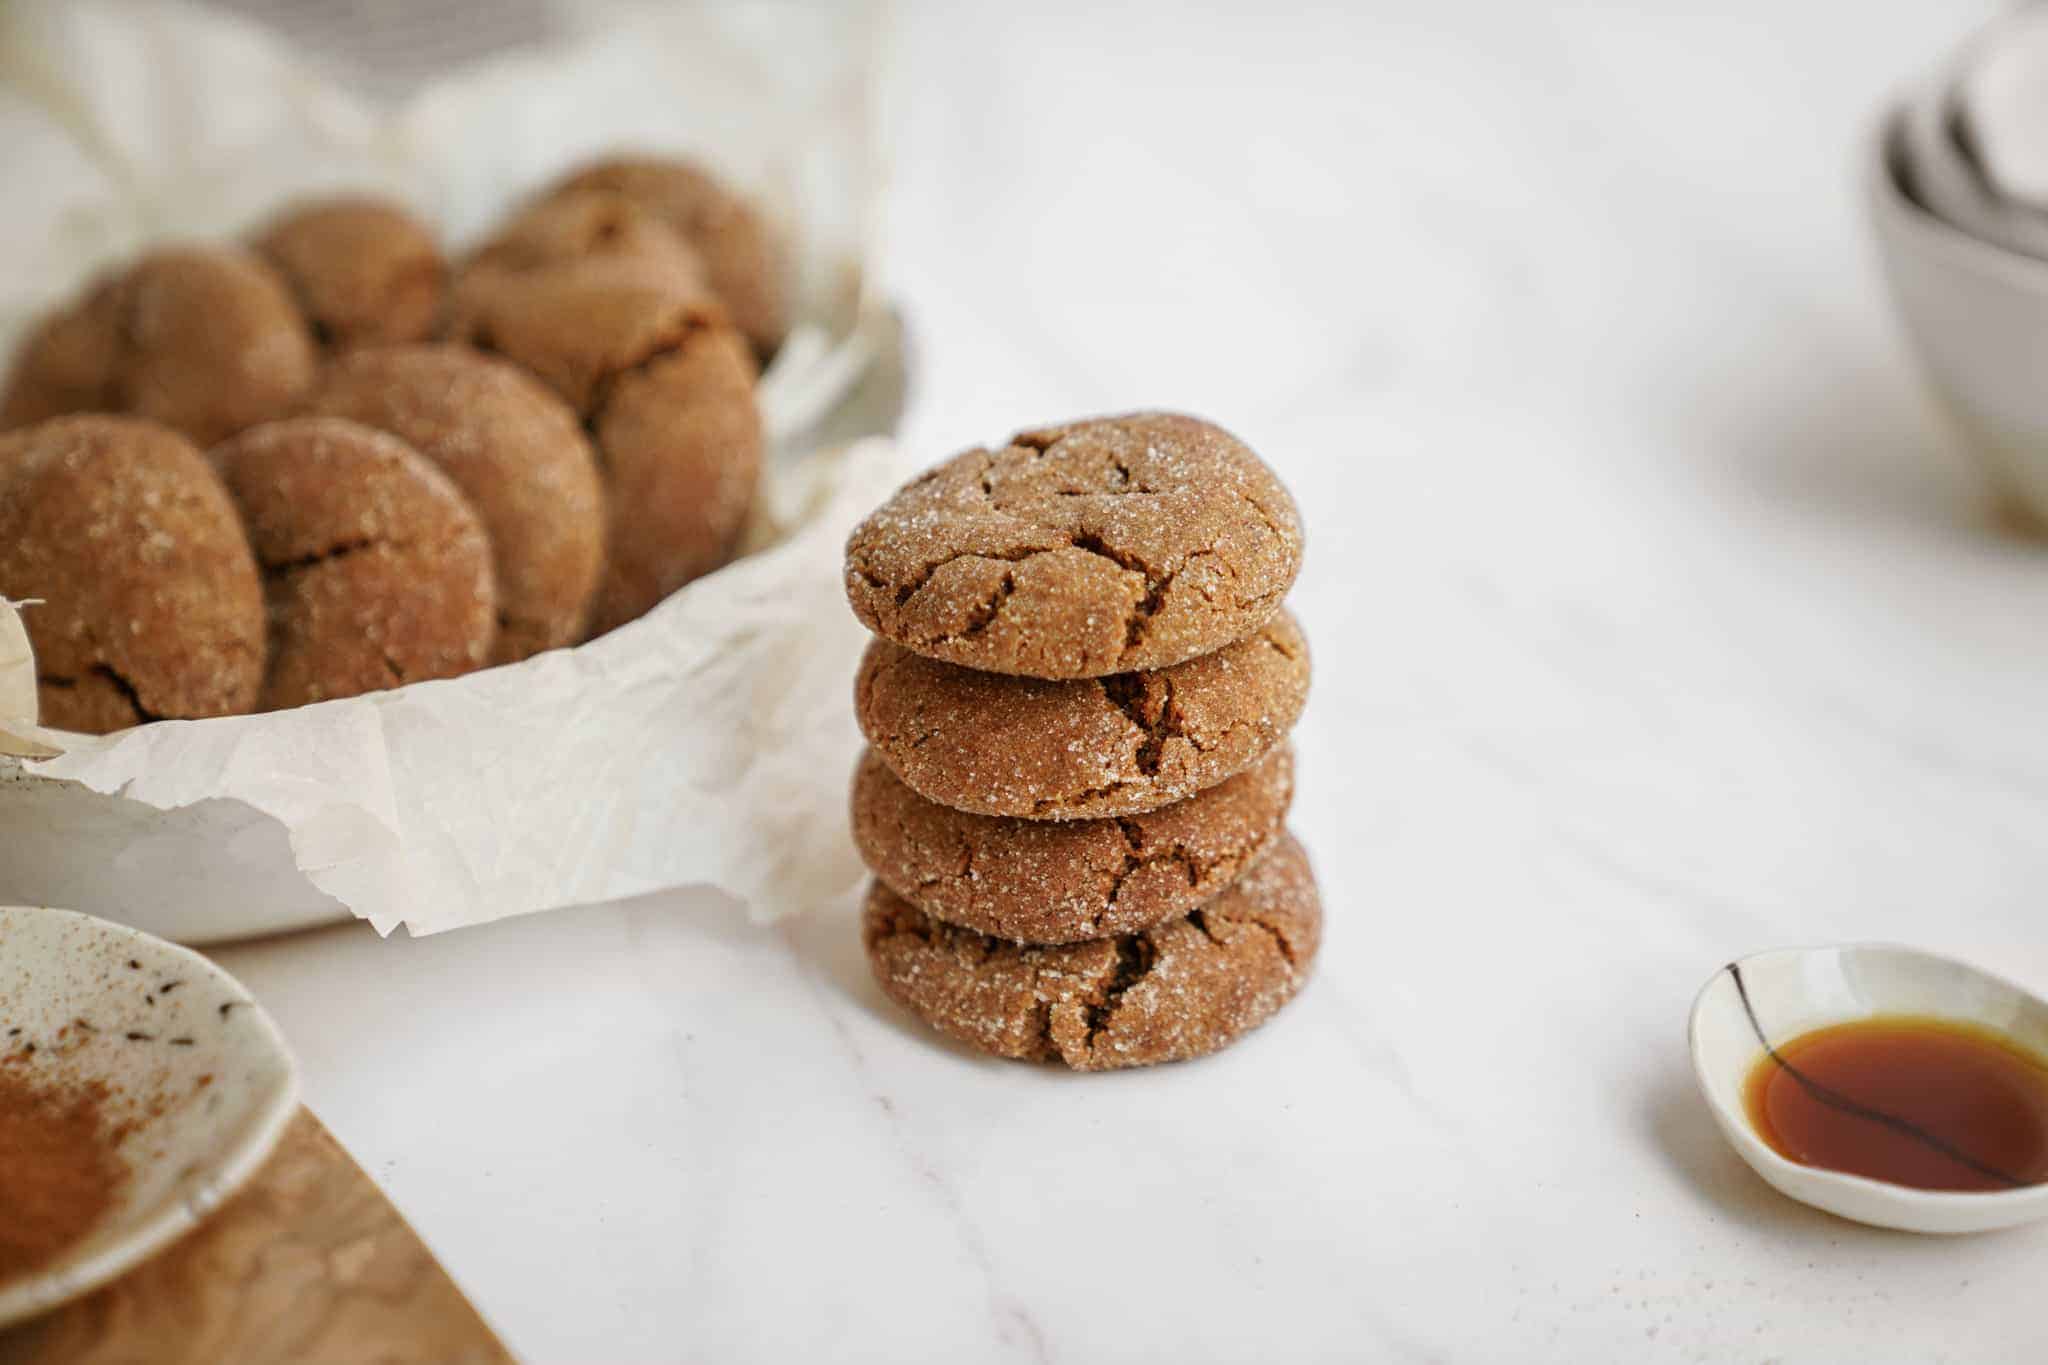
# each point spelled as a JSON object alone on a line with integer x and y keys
{"x": 1771, "y": 998}
{"x": 195, "y": 1071}
{"x": 1977, "y": 316}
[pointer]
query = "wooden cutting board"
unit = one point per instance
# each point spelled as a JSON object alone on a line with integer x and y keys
{"x": 310, "y": 1263}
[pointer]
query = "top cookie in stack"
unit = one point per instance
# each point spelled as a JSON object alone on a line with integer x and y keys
{"x": 1077, "y": 711}
{"x": 1081, "y": 550}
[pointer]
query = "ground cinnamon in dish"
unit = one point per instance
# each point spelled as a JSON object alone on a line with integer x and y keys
{"x": 58, "y": 1169}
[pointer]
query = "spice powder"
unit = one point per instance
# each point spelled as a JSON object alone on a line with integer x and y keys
{"x": 59, "y": 1172}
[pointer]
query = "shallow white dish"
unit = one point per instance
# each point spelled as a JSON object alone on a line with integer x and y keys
{"x": 197, "y": 1066}
{"x": 1778, "y": 995}
{"x": 1977, "y": 317}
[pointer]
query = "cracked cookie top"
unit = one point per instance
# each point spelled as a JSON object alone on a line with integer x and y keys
{"x": 150, "y": 603}
{"x": 1046, "y": 881}
{"x": 1076, "y": 551}
{"x": 744, "y": 257}
{"x": 376, "y": 570}
{"x": 365, "y": 272}
{"x": 519, "y": 457}
{"x": 1183, "y": 989}
{"x": 581, "y": 224}
{"x": 204, "y": 339}
{"x": 1081, "y": 748}
{"x": 663, "y": 383}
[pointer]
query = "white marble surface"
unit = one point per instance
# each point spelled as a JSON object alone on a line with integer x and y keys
{"x": 1654, "y": 625}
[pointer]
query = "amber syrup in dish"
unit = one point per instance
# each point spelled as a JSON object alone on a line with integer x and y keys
{"x": 1935, "y": 1104}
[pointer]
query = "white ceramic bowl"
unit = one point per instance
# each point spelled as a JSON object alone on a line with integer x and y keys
{"x": 200, "y": 1070}
{"x": 1796, "y": 990}
{"x": 1977, "y": 317}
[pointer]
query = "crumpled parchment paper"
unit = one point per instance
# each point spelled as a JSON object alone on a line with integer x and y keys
{"x": 708, "y": 743}
{"x": 18, "y": 704}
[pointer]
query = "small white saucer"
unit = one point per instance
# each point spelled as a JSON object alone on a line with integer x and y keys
{"x": 201, "y": 1072}
{"x": 1773, "y": 997}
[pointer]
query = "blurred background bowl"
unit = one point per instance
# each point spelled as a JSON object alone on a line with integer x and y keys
{"x": 1976, "y": 315}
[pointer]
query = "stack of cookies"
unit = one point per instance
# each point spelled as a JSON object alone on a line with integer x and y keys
{"x": 1075, "y": 794}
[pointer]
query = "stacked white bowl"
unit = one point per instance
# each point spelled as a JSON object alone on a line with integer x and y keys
{"x": 1958, "y": 187}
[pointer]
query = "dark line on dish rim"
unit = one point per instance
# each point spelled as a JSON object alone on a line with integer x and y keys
{"x": 1835, "y": 1099}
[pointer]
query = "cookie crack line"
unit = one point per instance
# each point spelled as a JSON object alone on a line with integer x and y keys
{"x": 985, "y": 616}
{"x": 1136, "y": 857}
{"x": 1126, "y": 692}
{"x": 1280, "y": 943}
{"x": 1136, "y": 955}
{"x": 1045, "y": 805}
{"x": 1087, "y": 541}
{"x": 906, "y": 591}
{"x": 339, "y": 550}
{"x": 114, "y": 678}
{"x": 1159, "y": 582}
{"x": 674, "y": 341}
{"x": 120, "y": 681}
{"x": 1178, "y": 854}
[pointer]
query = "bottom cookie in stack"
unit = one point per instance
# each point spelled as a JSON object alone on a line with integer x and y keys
{"x": 1181, "y": 989}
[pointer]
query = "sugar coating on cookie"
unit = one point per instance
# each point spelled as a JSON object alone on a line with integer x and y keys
{"x": 665, "y": 386}
{"x": 681, "y": 437}
{"x": 376, "y": 570}
{"x": 1081, "y": 748}
{"x": 1044, "y": 881}
{"x": 744, "y": 258}
{"x": 150, "y": 604}
{"x": 203, "y": 339}
{"x": 519, "y": 456}
{"x": 364, "y": 271}
{"x": 1075, "y": 551}
{"x": 580, "y": 323}
{"x": 1179, "y": 990}
{"x": 586, "y": 224}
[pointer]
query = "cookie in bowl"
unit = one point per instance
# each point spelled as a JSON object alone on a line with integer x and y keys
{"x": 376, "y": 570}
{"x": 149, "y": 605}
{"x": 665, "y": 386}
{"x": 745, "y": 260}
{"x": 518, "y": 456}
{"x": 203, "y": 339}
{"x": 588, "y": 225}
{"x": 365, "y": 272}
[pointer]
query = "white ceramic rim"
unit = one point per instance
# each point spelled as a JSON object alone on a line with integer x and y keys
{"x": 1760, "y": 1154}
{"x": 1890, "y": 203}
{"x": 38, "y": 1293}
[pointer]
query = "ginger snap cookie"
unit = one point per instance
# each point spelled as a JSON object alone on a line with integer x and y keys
{"x": 376, "y": 570}
{"x": 1081, "y": 748}
{"x": 1182, "y": 989}
{"x": 365, "y": 271}
{"x": 589, "y": 224}
{"x": 151, "y": 607}
{"x": 1045, "y": 881}
{"x": 203, "y": 339}
{"x": 744, "y": 257}
{"x": 1097, "y": 547}
{"x": 666, "y": 388}
{"x": 518, "y": 455}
